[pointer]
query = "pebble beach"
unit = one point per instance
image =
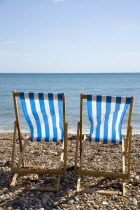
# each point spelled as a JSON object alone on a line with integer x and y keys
{"x": 97, "y": 155}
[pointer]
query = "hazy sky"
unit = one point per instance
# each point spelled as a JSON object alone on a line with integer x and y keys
{"x": 69, "y": 36}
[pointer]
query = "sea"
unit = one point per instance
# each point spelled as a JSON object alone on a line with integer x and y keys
{"x": 111, "y": 84}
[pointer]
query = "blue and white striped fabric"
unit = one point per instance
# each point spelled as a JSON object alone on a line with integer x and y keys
{"x": 106, "y": 115}
{"x": 44, "y": 115}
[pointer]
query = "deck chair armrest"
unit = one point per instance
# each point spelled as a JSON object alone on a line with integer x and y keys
{"x": 77, "y": 144}
{"x": 129, "y": 130}
{"x": 128, "y": 139}
{"x": 66, "y": 128}
{"x": 66, "y": 123}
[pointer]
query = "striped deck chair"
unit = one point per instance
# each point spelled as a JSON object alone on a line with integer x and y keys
{"x": 45, "y": 116}
{"x": 106, "y": 115}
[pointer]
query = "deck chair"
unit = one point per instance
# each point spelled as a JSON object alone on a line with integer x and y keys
{"x": 45, "y": 116}
{"x": 106, "y": 115}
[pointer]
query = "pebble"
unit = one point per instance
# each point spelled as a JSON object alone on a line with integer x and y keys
{"x": 44, "y": 201}
{"x": 55, "y": 203}
{"x": 96, "y": 207}
{"x": 137, "y": 178}
{"x": 133, "y": 207}
{"x": 105, "y": 203}
{"x": 135, "y": 202}
{"x": 47, "y": 207}
{"x": 39, "y": 205}
{"x": 70, "y": 202}
{"x": 76, "y": 199}
{"x": 115, "y": 197}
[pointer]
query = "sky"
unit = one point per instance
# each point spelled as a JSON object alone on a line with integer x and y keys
{"x": 72, "y": 36}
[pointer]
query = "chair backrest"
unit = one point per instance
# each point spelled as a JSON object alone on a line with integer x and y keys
{"x": 45, "y": 115}
{"x": 106, "y": 114}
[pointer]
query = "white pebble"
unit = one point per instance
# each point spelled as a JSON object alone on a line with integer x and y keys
{"x": 105, "y": 203}
{"x": 135, "y": 202}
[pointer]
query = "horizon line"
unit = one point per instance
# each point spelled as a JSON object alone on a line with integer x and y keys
{"x": 69, "y": 72}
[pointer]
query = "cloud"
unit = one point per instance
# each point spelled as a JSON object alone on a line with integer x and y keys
{"x": 12, "y": 54}
{"x": 4, "y": 52}
{"x": 7, "y": 42}
{"x": 130, "y": 53}
{"x": 57, "y": 1}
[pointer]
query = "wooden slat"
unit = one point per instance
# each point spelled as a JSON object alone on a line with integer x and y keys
{"x": 84, "y": 96}
{"x": 81, "y": 118}
{"x": 129, "y": 123}
{"x": 37, "y": 171}
{"x": 45, "y": 189}
{"x": 14, "y": 142}
{"x": 107, "y": 192}
{"x": 79, "y": 183}
{"x": 64, "y": 109}
{"x": 129, "y": 150}
{"x": 123, "y": 188}
{"x": 93, "y": 167}
{"x": 22, "y": 154}
{"x": 104, "y": 174}
{"x": 14, "y": 180}
{"x": 65, "y": 145}
{"x": 17, "y": 119}
{"x": 58, "y": 182}
{"x": 16, "y": 94}
{"x": 35, "y": 166}
{"x": 77, "y": 141}
{"x": 123, "y": 167}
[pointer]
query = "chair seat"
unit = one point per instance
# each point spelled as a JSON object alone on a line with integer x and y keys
{"x": 46, "y": 139}
{"x": 105, "y": 141}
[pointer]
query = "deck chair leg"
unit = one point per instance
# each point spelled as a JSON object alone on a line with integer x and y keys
{"x": 123, "y": 168}
{"x": 129, "y": 150}
{"x": 14, "y": 142}
{"x": 61, "y": 162}
{"x": 77, "y": 141}
{"x": 65, "y": 146}
{"x": 79, "y": 183}
{"x": 14, "y": 180}
{"x": 81, "y": 163}
{"x": 19, "y": 163}
{"x": 82, "y": 153}
{"x": 20, "y": 141}
{"x": 62, "y": 157}
{"x": 58, "y": 182}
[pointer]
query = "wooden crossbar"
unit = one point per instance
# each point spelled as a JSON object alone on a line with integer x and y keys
{"x": 104, "y": 174}
{"x": 107, "y": 192}
{"x": 34, "y": 166}
{"x": 37, "y": 171}
{"x": 45, "y": 189}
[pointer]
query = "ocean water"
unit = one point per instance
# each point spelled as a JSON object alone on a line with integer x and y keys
{"x": 117, "y": 84}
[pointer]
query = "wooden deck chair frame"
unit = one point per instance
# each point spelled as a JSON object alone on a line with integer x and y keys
{"x": 126, "y": 152}
{"x": 22, "y": 168}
